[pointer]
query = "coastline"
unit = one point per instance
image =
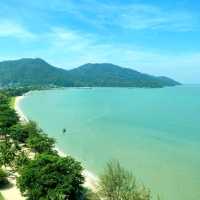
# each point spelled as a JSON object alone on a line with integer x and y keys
{"x": 21, "y": 115}
{"x": 91, "y": 180}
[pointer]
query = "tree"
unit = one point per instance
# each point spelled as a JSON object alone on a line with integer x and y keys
{"x": 21, "y": 160}
{"x": 21, "y": 132}
{"x": 18, "y": 133}
{"x": 7, "y": 153}
{"x": 41, "y": 143}
{"x": 32, "y": 128}
{"x": 4, "y": 99}
{"x": 3, "y": 178}
{"x": 8, "y": 118}
{"x": 116, "y": 183}
{"x": 51, "y": 177}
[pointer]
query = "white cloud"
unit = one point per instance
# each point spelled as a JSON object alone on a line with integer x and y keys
{"x": 144, "y": 16}
{"x": 134, "y": 16}
{"x": 12, "y": 29}
{"x": 69, "y": 39}
{"x": 70, "y": 48}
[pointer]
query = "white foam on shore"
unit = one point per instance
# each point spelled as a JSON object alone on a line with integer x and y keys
{"x": 91, "y": 180}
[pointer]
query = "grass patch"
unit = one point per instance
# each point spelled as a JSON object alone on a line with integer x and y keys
{"x": 1, "y": 197}
{"x": 12, "y": 102}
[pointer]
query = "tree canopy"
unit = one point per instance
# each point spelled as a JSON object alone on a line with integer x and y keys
{"x": 51, "y": 177}
{"x": 7, "y": 153}
{"x": 21, "y": 132}
{"x": 41, "y": 143}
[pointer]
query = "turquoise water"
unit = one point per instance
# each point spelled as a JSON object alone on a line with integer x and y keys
{"x": 153, "y": 132}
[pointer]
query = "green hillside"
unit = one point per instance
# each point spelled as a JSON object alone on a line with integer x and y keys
{"x": 26, "y": 72}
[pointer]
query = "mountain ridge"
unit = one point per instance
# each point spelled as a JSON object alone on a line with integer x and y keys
{"x": 36, "y": 71}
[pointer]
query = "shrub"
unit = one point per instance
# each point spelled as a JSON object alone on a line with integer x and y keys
{"x": 90, "y": 195}
{"x": 116, "y": 183}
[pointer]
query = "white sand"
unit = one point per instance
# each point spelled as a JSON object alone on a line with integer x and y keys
{"x": 21, "y": 115}
{"x": 13, "y": 193}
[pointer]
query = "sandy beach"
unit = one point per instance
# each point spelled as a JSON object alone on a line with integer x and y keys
{"x": 11, "y": 193}
{"x": 21, "y": 115}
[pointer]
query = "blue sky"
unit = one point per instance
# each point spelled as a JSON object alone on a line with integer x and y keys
{"x": 152, "y": 36}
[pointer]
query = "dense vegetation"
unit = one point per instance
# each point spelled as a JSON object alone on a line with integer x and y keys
{"x": 51, "y": 177}
{"x": 37, "y": 72}
{"x": 43, "y": 174}
{"x": 109, "y": 75}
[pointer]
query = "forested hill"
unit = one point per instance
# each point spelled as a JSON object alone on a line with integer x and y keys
{"x": 32, "y": 72}
{"x": 28, "y": 71}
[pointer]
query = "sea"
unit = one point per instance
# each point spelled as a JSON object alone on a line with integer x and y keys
{"x": 154, "y": 133}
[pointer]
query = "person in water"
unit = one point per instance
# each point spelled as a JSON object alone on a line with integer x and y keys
{"x": 64, "y": 130}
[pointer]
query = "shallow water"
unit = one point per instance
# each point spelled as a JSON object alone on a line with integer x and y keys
{"x": 153, "y": 132}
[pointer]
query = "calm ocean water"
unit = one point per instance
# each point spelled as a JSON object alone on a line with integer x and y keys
{"x": 153, "y": 132}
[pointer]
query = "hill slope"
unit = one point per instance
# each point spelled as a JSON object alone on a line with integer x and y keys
{"x": 106, "y": 74}
{"x": 38, "y": 72}
{"x": 32, "y": 72}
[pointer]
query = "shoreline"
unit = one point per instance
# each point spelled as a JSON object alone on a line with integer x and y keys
{"x": 91, "y": 180}
{"x": 21, "y": 115}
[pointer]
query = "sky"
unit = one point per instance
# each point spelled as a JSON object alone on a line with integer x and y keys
{"x": 151, "y": 36}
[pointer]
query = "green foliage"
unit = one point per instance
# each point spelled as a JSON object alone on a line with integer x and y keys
{"x": 19, "y": 91}
{"x": 1, "y": 197}
{"x": 51, "y": 177}
{"x": 41, "y": 143}
{"x": 117, "y": 183}
{"x": 8, "y": 118}
{"x": 7, "y": 153}
{"x": 31, "y": 72}
{"x": 90, "y": 195}
{"x": 12, "y": 102}
{"x": 4, "y": 100}
{"x": 109, "y": 75}
{"x": 3, "y": 178}
{"x": 21, "y": 132}
{"x": 21, "y": 160}
{"x": 37, "y": 72}
{"x": 18, "y": 133}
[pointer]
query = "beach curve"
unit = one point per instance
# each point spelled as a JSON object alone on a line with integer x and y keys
{"x": 91, "y": 180}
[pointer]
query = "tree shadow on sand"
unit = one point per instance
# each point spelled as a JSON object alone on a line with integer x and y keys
{"x": 7, "y": 186}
